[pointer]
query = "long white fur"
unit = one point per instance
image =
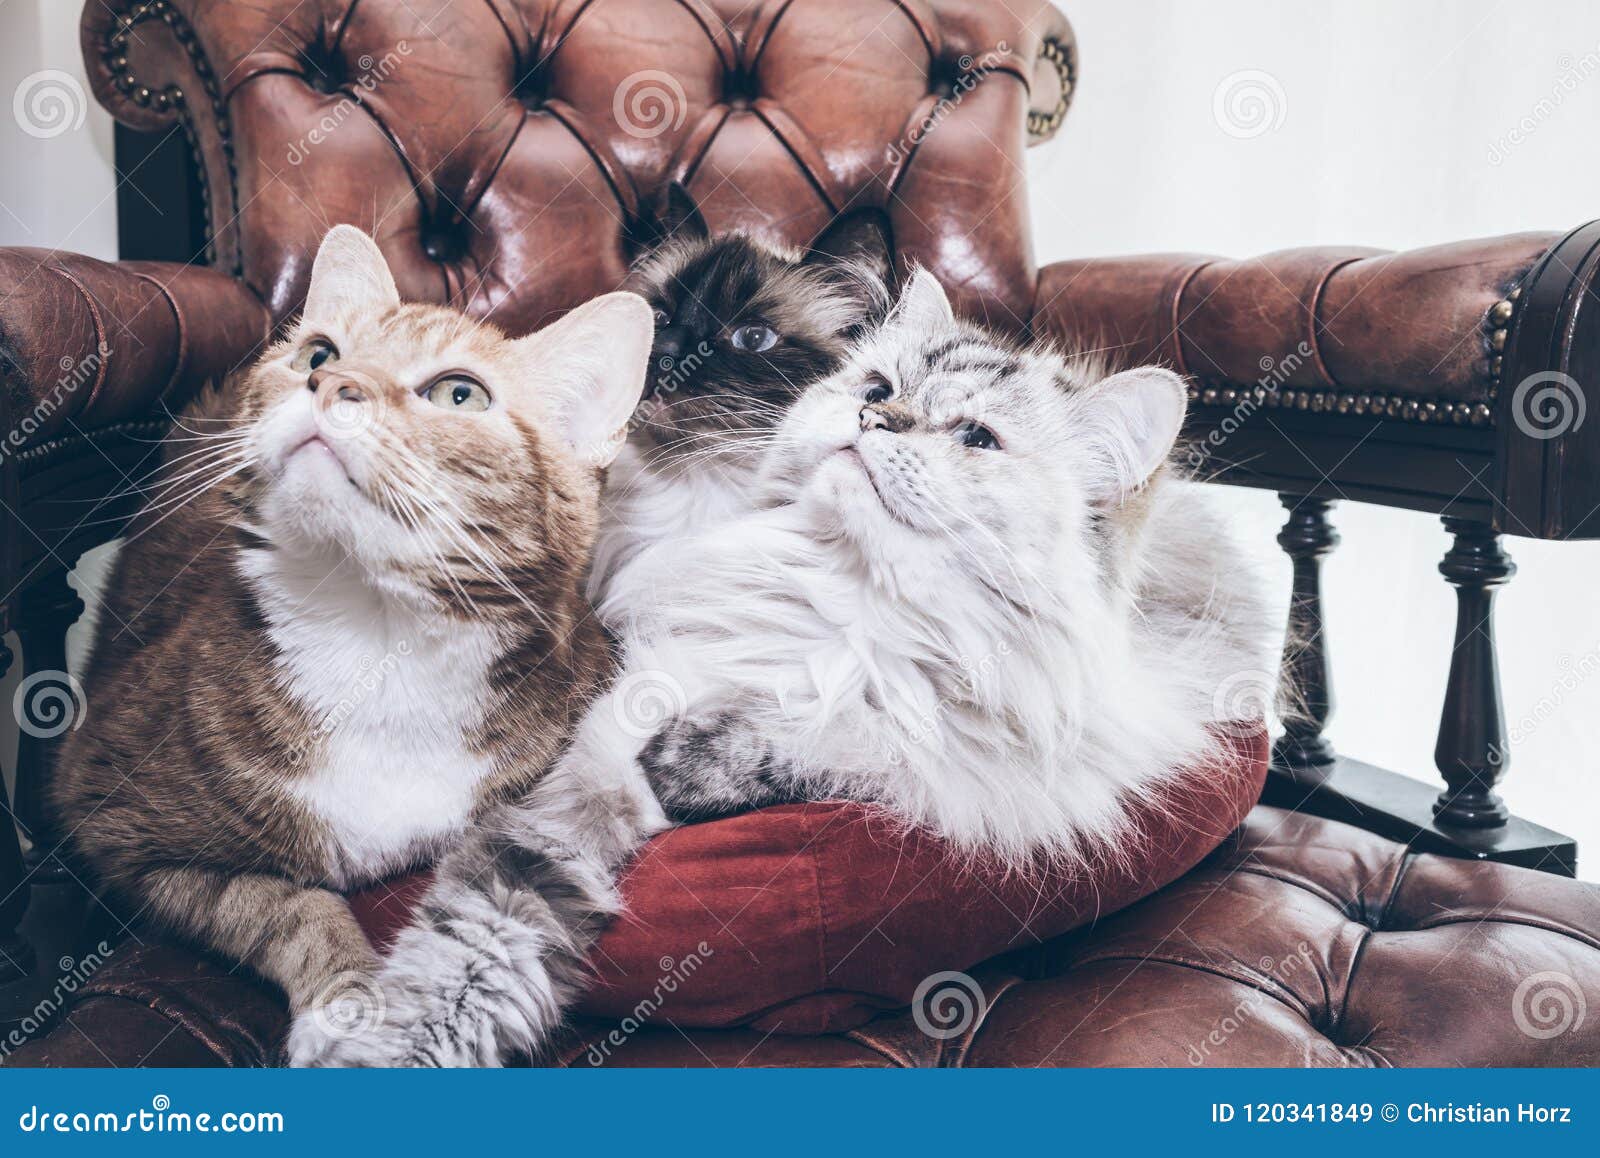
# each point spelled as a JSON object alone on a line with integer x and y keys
{"x": 1006, "y": 650}
{"x": 986, "y": 679}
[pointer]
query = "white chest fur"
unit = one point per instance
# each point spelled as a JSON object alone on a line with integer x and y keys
{"x": 651, "y": 500}
{"x": 388, "y": 768}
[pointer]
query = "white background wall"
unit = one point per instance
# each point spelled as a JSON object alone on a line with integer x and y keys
{"x": 1390, "y": 116}
{"x": 1390, "y": 113}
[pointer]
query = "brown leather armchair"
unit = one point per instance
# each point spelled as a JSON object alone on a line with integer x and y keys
{"x": 501, "y": 151}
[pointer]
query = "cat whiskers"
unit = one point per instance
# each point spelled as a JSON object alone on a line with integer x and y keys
{"x": 213, "y": 472}
{"x": 449, "y": 519}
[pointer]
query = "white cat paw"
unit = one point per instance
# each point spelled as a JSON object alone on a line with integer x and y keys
{"x": 348, "y": 1006}
{"x": 402, "y": 1029}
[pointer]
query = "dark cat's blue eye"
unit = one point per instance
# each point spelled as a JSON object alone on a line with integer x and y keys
{"x": 662, "y": 319}
{"x": 877, "y": 391}
{"x": 977, "y": 437}
{"x": 754, "y": 339}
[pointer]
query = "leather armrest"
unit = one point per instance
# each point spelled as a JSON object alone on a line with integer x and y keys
{"x": 1416, "y": 334}
{"x": 91, "y": 343}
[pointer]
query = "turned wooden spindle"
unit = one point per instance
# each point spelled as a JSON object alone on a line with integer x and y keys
{"x": 1471, "y": 753}
{"x": 16, "y": 956}
{"x": 1306, "y": 537}
{"x": 47, "y": 610}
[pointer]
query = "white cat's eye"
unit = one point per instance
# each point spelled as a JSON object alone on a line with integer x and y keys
{"x": 977, "y": 437}
{"x": 459, "y": 394}
{"x": 877, "y": 391}
{"x": 754, "y": 339}
{"x": 317, "y": 352}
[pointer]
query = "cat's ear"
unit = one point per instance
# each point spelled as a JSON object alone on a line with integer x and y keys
{"x": 349, "y": 273}
{"x": 1129, "y": 423}
{"x": 590, "y": 368}
{"x": 923, "y": 305}
{"x": 859, "y": 238}
{"x": 680, "y": 217}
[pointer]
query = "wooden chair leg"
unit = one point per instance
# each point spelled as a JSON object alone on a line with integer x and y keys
{"x": 1303, "y": 751}
{"x": 16, "y": 956}
{"x": 1471, "y": 753}
{"x": 47, "y": 611}
{"x": 1467, "y": 819}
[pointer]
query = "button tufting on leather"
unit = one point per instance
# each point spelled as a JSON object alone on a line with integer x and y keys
{"x": 324, "y": 71}
{"x": 739, "y": 88}
{"x": 942, "y": 77}
{"x": 443, "y": 244}
{"x": 530, "y": 90}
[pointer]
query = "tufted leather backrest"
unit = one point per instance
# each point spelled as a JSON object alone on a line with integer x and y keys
{"x": 503, "y": 151}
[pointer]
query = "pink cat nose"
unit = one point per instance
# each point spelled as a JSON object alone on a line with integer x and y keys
{"x": 332, "y": 385}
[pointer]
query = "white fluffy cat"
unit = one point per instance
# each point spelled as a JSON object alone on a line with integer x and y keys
{"x": 969, "y": 591}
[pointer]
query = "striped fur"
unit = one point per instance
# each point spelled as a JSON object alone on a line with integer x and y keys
{"x": 1002, "y": 645}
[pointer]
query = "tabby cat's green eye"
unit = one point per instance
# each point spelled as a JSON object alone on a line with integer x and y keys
{"x": 459, "y": 394}
{"x": 316, "y": 352}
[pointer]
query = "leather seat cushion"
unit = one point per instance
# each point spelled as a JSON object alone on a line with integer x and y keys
{"x": 814, "y": 918}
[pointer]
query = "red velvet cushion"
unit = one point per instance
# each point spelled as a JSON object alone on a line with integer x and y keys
{"x": 811, "y": 918}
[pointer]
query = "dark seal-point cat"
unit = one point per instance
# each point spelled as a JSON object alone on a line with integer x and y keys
{"x": 742, "y": 328}
{"x": 367, "y": 626}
